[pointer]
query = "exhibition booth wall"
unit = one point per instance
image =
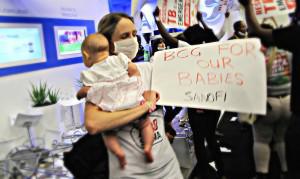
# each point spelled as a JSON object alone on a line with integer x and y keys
{"x": 48, "y": 59}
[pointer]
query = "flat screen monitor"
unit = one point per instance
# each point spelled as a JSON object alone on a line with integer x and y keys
{"x": 68, "y": 41}
{"x": 21, "y": 44}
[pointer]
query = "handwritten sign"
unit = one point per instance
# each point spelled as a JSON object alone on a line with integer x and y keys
{"x": 178, "y": 13}
{"x": 230, "y": 75}
{"x": 268, "y": 8}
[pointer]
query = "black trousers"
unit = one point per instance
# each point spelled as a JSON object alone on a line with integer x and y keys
{"x": 88, "y": 158}
{"x": 170, "y": 113}
{"x": 203, "y": 124}
{"x": 292, "y": 140}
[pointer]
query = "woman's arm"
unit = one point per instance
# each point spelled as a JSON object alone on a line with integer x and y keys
{"x": 200, "y": 19}
{"x": 97, "y": 120}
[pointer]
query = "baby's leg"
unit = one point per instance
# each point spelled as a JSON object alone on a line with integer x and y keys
{"x": 148, "y": 138}
{"x": 112, "y": 143}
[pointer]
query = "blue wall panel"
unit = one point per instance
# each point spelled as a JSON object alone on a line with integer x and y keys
{"x": 49, "y": 41}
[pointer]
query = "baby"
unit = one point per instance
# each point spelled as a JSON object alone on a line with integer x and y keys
{"x": 118, "y": 86}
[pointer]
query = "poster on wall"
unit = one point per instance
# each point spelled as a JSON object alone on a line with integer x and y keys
{"x": 68, "y": 40}
{"x": 178, "y": 13}
{"x": 21, "y": 44}
{"x": 268, "y": 8}
{"x": 227, "y": 76}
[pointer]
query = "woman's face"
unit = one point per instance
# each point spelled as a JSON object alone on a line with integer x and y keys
{"x": 243, "y": 27}
{"x": 125, "y": 29}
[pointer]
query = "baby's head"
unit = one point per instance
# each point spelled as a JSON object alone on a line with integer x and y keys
{"x": 94, "y": 49}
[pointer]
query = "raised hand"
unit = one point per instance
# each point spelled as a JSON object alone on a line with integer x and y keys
{"x": 199, "y": 16}
{"x": 156, "y": 12}
{"x": 245, "y": 2}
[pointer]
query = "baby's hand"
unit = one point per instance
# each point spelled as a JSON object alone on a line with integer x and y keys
{"x": 151, "y": 97}
{"x": 82, "y": 93}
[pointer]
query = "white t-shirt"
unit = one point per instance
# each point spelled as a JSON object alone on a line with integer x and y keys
{"x": 165, "y": 164}
{"x": 113, "y": 89}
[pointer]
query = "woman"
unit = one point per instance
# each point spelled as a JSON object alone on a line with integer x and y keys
{"x": 120, "y": 31}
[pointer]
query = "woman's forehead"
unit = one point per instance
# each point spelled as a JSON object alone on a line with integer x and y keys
{"x": 125, "y": 25}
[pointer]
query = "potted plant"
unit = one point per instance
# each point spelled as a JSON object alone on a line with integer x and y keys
{"x": 45, "y": 98}
{"x": 42, "y": 95}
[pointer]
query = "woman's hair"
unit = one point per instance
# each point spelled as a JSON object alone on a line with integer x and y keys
{"x": 108, "y": 23}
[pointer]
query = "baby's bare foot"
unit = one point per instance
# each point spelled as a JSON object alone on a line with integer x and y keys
{"x": 122, "y": 161}
{"x": 148, "y": 154}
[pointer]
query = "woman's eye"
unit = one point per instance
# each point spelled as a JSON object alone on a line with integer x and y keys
{"x": 125, "y": 36}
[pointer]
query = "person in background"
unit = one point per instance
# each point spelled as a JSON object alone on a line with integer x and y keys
{"x": 240, "y": 30}
{"x": 171, "y": 41}
{"x": 285, "y": 38}
{"x": 158, "y": 45}
{"x": 196, "y": 34}
{"x": 119, "y": 87}
{"x": 140, "y": 54}
{"x": 203, "y": 122}
{"x": 274, "y": 124}
{"x": 120, "y": 32}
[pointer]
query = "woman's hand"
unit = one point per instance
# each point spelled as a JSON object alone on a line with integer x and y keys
{"x": 82, "y": 93}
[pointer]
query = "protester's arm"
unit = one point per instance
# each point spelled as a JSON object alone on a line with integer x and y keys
{"x": 200, "y": 19}
{"x": 163, "y": 31}
{"x": 97, "y": 120}
{"x": 209, "y": 31}
{"x": 253, "y": 24}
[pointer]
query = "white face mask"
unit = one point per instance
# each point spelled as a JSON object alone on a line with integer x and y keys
{"x": 129, "y": 47}
{"x": 161, "y": 48}
{"x": 242, "y": 34}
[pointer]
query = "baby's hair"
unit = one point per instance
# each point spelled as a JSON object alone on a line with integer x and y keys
{"x": 95, "y": 43}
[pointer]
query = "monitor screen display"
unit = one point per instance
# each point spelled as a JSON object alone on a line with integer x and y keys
{"x": 21, "y": 44}
{"x": 68, "y": 41}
